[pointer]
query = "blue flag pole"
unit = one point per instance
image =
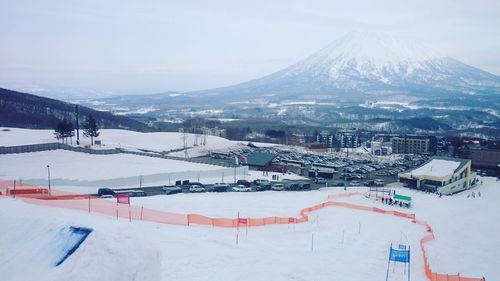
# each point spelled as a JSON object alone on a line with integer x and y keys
{"x": 388, "y": 263}
{"x": 409, "y": 264}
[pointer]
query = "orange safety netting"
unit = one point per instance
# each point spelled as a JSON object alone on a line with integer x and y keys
{"x": 92, "y": 204}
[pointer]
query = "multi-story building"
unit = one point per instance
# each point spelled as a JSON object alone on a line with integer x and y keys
{"x": 412, "y": 144}
{"x": 325, "y": 138}
{"x": 482, "y": 156}
{"x": 347, "y": 139}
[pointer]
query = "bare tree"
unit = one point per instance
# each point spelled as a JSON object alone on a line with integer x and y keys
{"x": 184, "y": 138}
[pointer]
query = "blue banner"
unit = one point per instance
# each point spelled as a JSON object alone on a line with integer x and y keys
{"x": 399, "y": 255}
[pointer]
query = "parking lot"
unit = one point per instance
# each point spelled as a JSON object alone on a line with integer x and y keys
{"x": 328, "y": 169}
{"x": 336, "y": 181}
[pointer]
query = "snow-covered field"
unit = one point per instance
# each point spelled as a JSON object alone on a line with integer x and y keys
{"x": 111, "y": 138}
{"x": 82, "y": 166}
{"x": 466, "y": 231}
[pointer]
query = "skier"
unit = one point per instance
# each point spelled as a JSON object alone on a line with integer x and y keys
{"x": 479, "y": 193}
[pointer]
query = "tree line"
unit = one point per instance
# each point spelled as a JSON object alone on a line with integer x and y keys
{"x": 66, "y": 130}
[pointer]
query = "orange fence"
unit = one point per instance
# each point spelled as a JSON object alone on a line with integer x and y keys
{"x": 92, "y": 204}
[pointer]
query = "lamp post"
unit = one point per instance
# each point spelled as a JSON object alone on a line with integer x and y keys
{"x": 345, "y": 169}
{"x": 48, "y": 174}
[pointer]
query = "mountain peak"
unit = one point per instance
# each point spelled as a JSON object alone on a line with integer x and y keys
{"x": 379, "y": 47}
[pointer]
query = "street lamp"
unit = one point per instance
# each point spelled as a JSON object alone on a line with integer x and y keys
{"x": 48, "y": 174}
{"x": 345, "y": 169}
{"x": 345, "y": 178}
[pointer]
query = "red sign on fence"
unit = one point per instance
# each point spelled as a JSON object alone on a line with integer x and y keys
{"x": 291, "y": 220}
{"x": 243, "y": 221}
{"x": 122, "y": 199}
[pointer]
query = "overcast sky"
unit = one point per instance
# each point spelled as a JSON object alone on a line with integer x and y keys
{"x": 141, "y": 47}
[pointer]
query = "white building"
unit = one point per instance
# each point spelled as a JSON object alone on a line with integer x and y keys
{"x": 444, "y": 175}
{"x": 380, "y": 148}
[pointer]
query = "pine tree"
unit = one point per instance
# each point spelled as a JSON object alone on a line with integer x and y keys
{"x": 69, "y": 131}
{"x": 59, "y": 131}
{"x": 90, "y": 129}
{"x": 64, "y": 130}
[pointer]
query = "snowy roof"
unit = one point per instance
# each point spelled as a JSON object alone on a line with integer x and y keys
{"x": 439, "y": 167}
{"x": 260, "y": 159}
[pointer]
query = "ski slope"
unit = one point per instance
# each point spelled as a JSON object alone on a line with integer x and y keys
{"x": 348, "y": 244}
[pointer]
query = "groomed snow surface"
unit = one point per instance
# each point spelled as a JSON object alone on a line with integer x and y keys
{"x": 348, "y": 244}
{"x": 113, "y": 138}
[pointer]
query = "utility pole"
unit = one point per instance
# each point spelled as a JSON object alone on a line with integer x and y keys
{"x": 77, "y": 125}
{"x": 48, "y": 174}
{"x": 345, "y": 169}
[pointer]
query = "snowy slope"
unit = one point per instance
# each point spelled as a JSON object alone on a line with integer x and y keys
{"x": 111, "y": 138}
{"x": 82, "y": 166}
{"x": 465, "y": 228}
{"x": 119, "y": 250}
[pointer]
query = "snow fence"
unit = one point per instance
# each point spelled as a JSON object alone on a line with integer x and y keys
{"x": 40, "y": 196}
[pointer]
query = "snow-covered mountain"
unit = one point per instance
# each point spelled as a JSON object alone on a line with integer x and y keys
{"x": 371, "y": 63}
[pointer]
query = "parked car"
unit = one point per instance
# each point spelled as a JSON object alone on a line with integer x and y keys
{"x": 264, "y": 187}
{"x": 260, "y": 182}
{"x": 105, "y": 192}
{"x": 354, "y": 183}
{"x": 380, "y": 173}
{"x": 293, "y": 186}
{"x": 319, "y": 180}
{"x": 196, "y": 188}
{"x": 338, "y": 183}
{"x": 196, "y": 183}
{"x": 171, "y": 189}
{"x": 138, "y": 193}
{"x": 278, "y": 187}
{"x": 379, "y": 182}
{"x": 241, "y": 188}
{"x": 132, "y": 193}
{"x": 220, "y": 187}
{"x": 304, "y": 185}
{"x": 244, "y": 182}
{"x": 369, "y": 183}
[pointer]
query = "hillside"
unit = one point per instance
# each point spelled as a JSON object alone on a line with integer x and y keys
{"x": 29, "y": 111}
